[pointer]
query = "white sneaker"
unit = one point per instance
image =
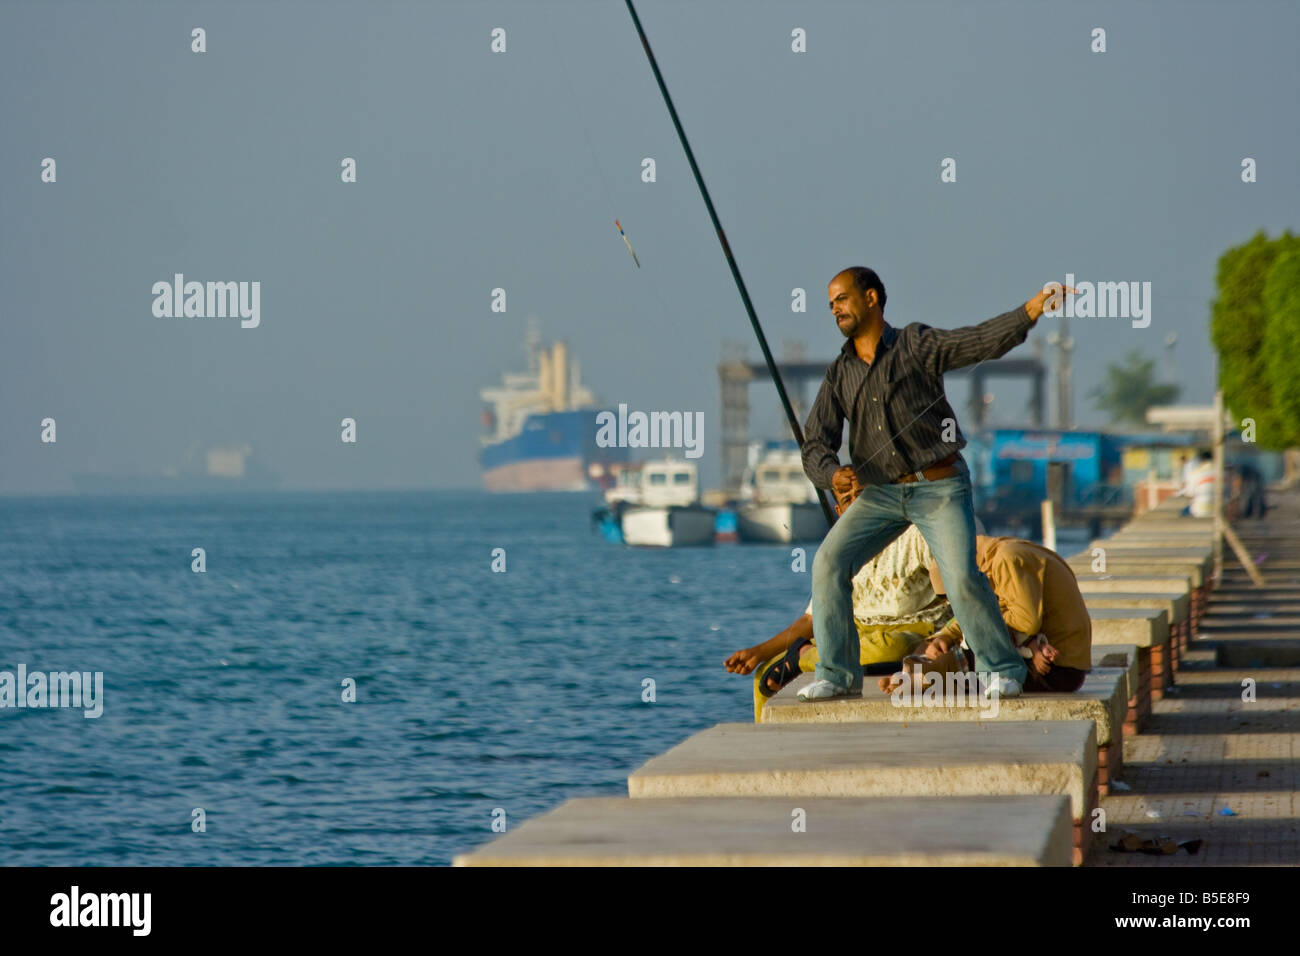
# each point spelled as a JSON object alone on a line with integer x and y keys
{"x": 825, "y": 690}
{"x": 1002, "y": 686}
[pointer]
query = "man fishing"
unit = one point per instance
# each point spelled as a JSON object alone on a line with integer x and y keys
{"x": 905, "y": 447}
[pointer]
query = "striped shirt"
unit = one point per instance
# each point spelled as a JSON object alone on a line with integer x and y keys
{"x": 896, "y": 408}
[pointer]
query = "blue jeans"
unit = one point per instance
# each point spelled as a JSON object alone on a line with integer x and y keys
{"x": 943, "y": 511}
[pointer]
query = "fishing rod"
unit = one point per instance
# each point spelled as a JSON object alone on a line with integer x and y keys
{"x": 726, "y": 249}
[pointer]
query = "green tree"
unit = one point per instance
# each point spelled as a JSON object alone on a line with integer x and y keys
{"x": 1282, "y": 341}
{"x": 1238, "y": 324}
{"x": 1131, "y": 388}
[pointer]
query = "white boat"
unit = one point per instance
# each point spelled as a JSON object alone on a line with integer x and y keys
{"x": 625, "y": 483}
{"x": 666, "y": 512}
{"x": 779, "y": 502}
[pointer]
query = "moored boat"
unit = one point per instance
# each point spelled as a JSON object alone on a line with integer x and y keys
{"x": 780, "y": 504}
{"x": 666, "y": 511}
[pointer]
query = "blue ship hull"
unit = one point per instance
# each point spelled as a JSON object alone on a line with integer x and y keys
{"x": 553, "y": 452}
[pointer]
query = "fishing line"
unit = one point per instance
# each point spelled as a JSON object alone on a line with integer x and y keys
{"x": 605, "y": 183}
{"x": 726, "y": 249}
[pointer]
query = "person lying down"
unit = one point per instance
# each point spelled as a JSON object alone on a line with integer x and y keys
{"x": 1043, "y": 610}
{"x": 894, "y": 606}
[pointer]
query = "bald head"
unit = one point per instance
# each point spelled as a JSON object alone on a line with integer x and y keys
{"x": 864, "y": 279}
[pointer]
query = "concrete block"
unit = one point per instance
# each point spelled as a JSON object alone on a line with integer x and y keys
{"x": 1112, "y": 583}
{"x": 1173, "y": 521}
{"x": 757, "y": 831}
{"x": 1101, "y": 699}
{"x": 1168, "y": 525}
{"x": 1123, "y": 656}
{"x": 947, "y": 758}
{"x": 1121, "y": 562}
{"x": 1143, "y": 626}
{"x": 1177, "y": 606}
{"x": 1162, "y": 539}
{"x": 1179, "y": 552}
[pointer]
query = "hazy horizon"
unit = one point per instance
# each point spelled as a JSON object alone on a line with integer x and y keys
{"x": 479, "y": 170}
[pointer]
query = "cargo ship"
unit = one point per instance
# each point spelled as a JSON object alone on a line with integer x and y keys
{"x": 540, "y": 427}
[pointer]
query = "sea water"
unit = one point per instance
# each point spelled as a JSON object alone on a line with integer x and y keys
{"x": 481, "y": 696}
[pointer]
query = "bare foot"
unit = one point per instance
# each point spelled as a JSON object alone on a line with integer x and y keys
{"x": 913, "y": 664}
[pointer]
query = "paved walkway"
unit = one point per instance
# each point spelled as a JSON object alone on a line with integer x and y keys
{"x": 1205, "y": 749}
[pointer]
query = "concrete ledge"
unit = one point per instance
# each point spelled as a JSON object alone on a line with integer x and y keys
{"x": 1177, "y": 606}
{"x": 1165, "y": 525}
{"x": 1171, "y": 510}
{"x": 947, "y": 758}
{"x": 1132, "y": 562}
{"x": 757, "y": 831}
{"x": 1102, "y": 699}
{"x": 1201, "y": 556}
{"x": 1109, "y": 583}
{"x": 1136, "y": 662}
{"x": 1123, "y": 656}
{"x": 1171, "y": 519}
{"x": 1157, "y": 539}
{"x": 1143, "y": 626}
{"x": 1144, "y": 547}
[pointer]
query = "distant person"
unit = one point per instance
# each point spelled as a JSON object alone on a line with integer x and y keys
{"x": 887, "y": 383}
{"x": 1045, "y": 613}
{"x": 1198, "y": 484}
{"x": 1251, "y": 502}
